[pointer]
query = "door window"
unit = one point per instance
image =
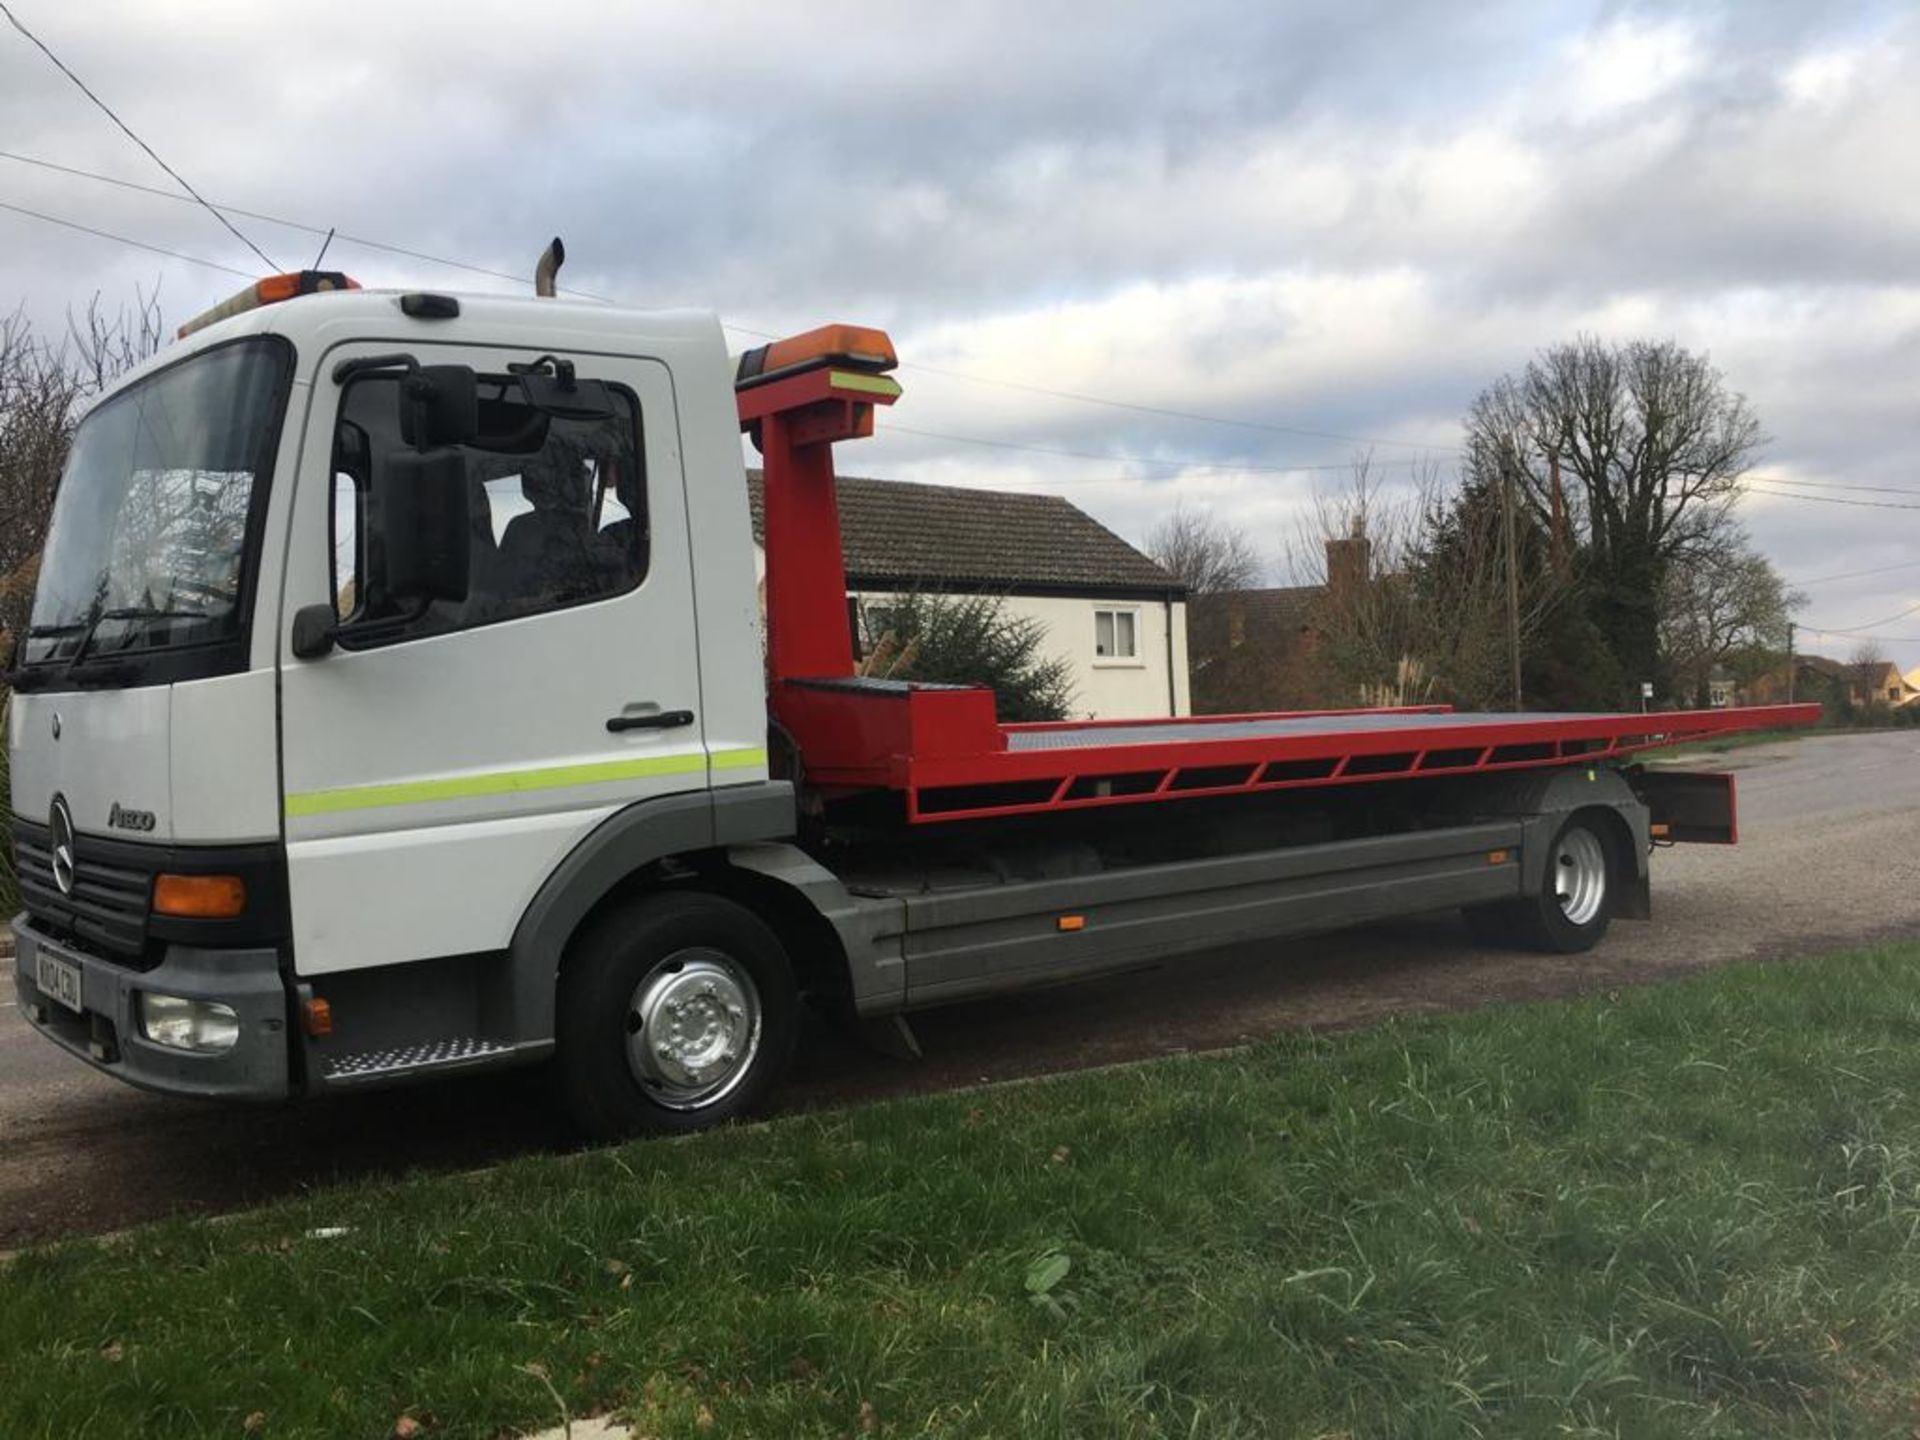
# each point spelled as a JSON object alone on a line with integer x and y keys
{"x": 556, "y": 507}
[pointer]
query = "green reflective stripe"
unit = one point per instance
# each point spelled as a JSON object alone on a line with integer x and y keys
{"x": 508, "y": 782}
{"x": 872, "y": 384}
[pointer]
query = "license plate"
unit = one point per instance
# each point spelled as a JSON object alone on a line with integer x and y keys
{"x": 58, "y": 978}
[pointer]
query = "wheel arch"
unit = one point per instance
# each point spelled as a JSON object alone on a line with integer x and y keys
{"x": 635, "y": 848}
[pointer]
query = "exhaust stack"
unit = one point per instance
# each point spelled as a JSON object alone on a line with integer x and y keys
{"x": 551, "y": 259}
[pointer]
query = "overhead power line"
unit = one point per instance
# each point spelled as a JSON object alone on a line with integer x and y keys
{"x": 127, "y": 130}
{"x": 1870, "y": 625}
{"x": 1182, "y": 465}
{"x": 1162, "y": 410}
{"x": 1834, "y": 485}
{"x": 1829, "y": 499}
{"x": 1848, "y": 635}
{"x": 1857, "y": 574}
{"x": 125, "y": 240}
{"x": 362, "y": 241}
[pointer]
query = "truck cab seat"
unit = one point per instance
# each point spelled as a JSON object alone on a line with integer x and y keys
{"x": 549, "y": 551}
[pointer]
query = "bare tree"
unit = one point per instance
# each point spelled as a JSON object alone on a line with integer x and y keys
{"x": 44, "y": 389}
{"x": 1414, "y": 605}
{"x": 1652, "y": 445}
{"x": 1866, "y": 666}
{"x": 1720, "y": 600}
{"x": 1204, "y": 552}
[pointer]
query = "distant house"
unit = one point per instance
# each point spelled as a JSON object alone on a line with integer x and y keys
{"x": 1254, "y": 649}
{"x": 1869, "y": 685}
{"x": 1258, "y": 649}
{"x": 1115, "y": 617}
{"x": 1878, "y": 682}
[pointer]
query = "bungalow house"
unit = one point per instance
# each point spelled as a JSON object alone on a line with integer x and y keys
{"x": 1115, "y": 617}
{"x": 1859, "y": 685}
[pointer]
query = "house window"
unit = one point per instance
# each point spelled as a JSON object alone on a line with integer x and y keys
{"x": 1116, "y": 634}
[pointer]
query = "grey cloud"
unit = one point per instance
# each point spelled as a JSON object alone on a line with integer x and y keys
{"x": 940, "y": 168}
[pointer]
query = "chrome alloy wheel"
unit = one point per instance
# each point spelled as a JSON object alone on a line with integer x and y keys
{"x": 1580, "y": 875}
{"x": 693, "y": 1028}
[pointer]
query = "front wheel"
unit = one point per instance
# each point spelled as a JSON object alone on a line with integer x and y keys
{"x": 675, "y": 1012}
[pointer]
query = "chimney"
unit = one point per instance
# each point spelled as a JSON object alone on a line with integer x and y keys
{"x": 1349, "y": 560}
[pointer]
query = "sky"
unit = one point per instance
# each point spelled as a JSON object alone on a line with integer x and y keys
{"x": 1316, "y": 230}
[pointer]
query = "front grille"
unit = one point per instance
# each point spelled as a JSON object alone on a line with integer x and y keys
{"x": 107, "y": 911}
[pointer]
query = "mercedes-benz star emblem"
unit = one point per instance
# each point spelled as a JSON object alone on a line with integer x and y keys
{"x": 56, "y": 724}
{"x": 60, "y": 841}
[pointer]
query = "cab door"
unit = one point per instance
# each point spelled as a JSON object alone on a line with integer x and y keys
{"x": 436, "y": 766}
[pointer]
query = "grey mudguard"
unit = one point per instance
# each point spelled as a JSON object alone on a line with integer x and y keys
{"x": 870, "y": 928}
{"x": 624, "y": 842}
{"x": 1542, "y": 800}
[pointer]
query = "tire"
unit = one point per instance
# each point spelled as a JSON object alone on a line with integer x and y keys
{"x": 1575, "y": 902}
{"x": 675, "y": 1013}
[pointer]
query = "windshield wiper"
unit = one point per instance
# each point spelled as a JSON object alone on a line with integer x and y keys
{"x": 25, "y": 677}
{"x": 127, "y": 612}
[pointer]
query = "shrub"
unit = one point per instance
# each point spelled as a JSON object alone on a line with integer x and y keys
{"x": 967, "y": 640}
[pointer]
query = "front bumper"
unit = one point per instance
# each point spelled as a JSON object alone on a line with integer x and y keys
{"x": 108, "y": 1037}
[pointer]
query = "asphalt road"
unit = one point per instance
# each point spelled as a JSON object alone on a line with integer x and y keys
{"x": 1829, "y": 855}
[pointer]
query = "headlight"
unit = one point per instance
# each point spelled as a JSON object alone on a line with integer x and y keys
{"x": 181, "y": 1024}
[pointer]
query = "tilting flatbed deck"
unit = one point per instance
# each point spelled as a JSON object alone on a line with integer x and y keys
{"x": 940, "y": 749}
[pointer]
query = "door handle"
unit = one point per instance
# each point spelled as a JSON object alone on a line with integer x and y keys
{"x": 659, "y": 720}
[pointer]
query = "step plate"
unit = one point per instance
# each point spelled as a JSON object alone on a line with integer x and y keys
{"x": 408, "y": 1059}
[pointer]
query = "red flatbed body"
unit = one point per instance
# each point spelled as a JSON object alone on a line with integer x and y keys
{"x": 941, "y": 750}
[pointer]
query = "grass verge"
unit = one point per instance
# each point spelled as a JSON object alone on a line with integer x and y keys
{"x": 1684, "y": 1211}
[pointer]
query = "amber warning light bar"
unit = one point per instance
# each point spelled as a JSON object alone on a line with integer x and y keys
{"x": 856, "y": 347}
{"x": 270, "y": 291}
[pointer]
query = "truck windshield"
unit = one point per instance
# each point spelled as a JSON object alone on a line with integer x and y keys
{"x": 148, "y": 545}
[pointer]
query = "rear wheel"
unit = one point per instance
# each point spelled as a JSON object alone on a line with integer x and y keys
{"x": 675, "y": 1012}
{"x": 1575, "y": 902}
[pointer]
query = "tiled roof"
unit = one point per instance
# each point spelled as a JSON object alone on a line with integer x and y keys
{"x": 903, "y": 535}
{"x": 1289, "y": 607}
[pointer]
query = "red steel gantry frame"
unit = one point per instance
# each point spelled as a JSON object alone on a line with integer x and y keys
{"x": 940, "y": 747}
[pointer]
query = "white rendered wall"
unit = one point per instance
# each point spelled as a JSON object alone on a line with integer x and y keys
{"x": 1103, "y": 689}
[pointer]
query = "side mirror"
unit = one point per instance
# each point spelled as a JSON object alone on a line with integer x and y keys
{"x": 426, "y": 525}
{"x": 314, "y": 628}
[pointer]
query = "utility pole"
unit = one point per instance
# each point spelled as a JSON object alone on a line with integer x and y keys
{"x": 1512, "y": 463}
{"x": 1559, "y": 538}
{"x": 1790, "y": 662}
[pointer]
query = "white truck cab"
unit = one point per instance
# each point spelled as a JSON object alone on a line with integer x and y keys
{"x": 223, "y": 838}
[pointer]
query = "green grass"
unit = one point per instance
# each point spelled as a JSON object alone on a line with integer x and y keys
{"x": 1683, "y": 1211}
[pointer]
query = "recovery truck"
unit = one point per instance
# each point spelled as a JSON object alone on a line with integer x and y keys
{"x": 397, "y": 701}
